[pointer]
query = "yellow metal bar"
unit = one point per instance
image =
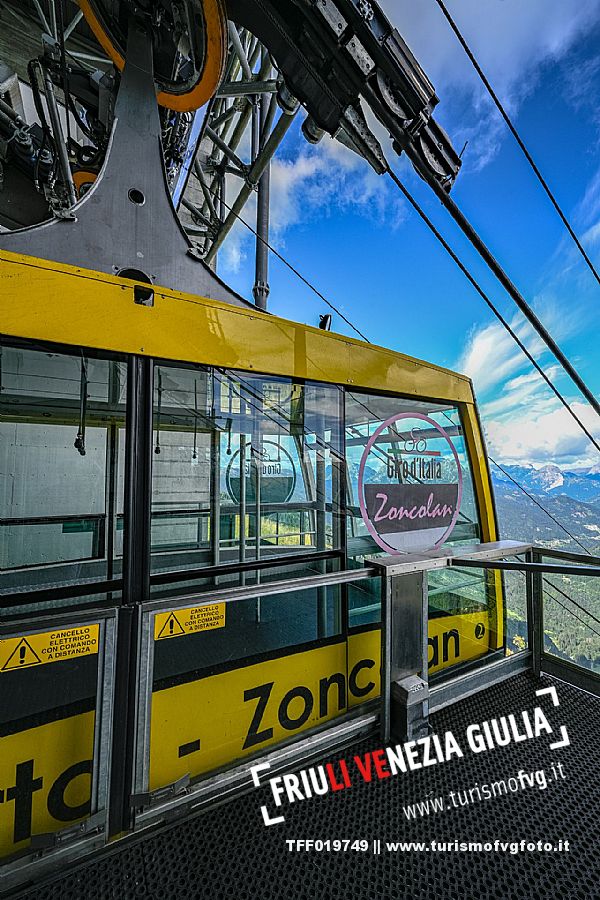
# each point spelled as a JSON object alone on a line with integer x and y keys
{"x": 48, "y": 301}
{"x": 487, "y": 515}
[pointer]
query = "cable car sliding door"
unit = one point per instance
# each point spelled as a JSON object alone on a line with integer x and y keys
{"x": 247, "y": 491}
{"x": 60, "y": 497}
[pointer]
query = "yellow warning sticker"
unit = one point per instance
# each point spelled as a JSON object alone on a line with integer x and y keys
{"x": 47, "y": 646}
{"x": 189, "y": 621}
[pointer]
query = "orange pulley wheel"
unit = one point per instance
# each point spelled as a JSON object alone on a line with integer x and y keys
{"x": 190, "y": 45}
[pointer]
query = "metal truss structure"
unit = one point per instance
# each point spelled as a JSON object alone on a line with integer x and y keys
{"x": 252, "y": 109}
{"x": 327, "y": 58}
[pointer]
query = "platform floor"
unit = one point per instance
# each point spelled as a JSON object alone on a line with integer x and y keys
{"x": 228, "y": 854}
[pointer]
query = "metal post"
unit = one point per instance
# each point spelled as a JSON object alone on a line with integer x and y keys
{"x": 236, "y": 136}
{"x": 112, "y": 457}
{"x": 529, "y": 602}
{"x": 136, "y": 585}
{"x": 321, "y": 519}
{"x": 537, "y": 611}
{"x": 215, "y": 494}
{"x": 386, "y": 657}
{"x": 242, "y": 548}
{"x": 239, "y": 49}
{"x": 404, "y": 614}
{"x": 242, "y": 497}
{"x": 260, "y": 164}
{"x": 112, "y": 449}
{"x": 53, "y": 21}
{"x": 257, "y": 456}
{"x": 59, "y": 139}
{"x": 138, "y": 480}
{"x": 261, "y": 289}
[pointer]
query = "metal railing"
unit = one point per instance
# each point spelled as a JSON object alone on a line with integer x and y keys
{"x": 547, "y": 656}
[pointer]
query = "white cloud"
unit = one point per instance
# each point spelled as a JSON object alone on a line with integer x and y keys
{"x": 522, "y": 417}
{"x": 491, "y": 356}
{"x": 525, "y": 391}
{"x": 512, "y": 41}
{"x": 508, "y": 37}
{"x": 550, "y": 437}
{"x": 316, "y": 181}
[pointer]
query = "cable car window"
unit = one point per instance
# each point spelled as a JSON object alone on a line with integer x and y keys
{"x": 410, "y": 490}
{"x": 59, "y": 491}
{"x": 245, "y": 467}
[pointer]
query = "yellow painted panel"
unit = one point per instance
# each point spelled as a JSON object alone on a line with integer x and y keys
{"x": 54, "y": 302}
{"x": 451, "y": 639}
{"x": 243, "y": 711}
{"x": 45, "y": 779}
{"x": 364, "y": 666}
{"x": 212, "y": 722}
{"x": 457, "y": 639}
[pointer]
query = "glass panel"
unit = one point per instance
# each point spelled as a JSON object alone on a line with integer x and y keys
{"x": 411, "y": 489}
{"x": 48, "y": 703}
{"x": 253, "y": 628}
{"x": 244, "y": 467}
{"x": 515, "y": 597}
{"x": 59, "y": 445}
{"x": 297, "y": 671}
{"x": 571, "y": 607}
{"x": 409, "y": 453}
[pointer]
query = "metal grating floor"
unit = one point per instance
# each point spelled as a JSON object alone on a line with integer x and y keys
{"x": 228, "y": 854}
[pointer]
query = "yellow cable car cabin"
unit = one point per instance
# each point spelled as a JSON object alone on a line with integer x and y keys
{"x": 184, "y": 451}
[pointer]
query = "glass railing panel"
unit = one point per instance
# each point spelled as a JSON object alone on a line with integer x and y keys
{"x": 571, "y": 618}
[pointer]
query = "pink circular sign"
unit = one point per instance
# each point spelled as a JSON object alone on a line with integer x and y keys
{"x": 417, "y": 507}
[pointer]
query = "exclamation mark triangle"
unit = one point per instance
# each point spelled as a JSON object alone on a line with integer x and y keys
{"x": 22, "y": 656}
{"x": 171, "y": 628}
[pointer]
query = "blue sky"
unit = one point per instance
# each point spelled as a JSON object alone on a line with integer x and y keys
{"x": 352, "y": 234}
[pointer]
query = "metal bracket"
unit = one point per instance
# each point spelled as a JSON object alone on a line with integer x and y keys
{"x": 40, "y": 843}
{"x": 149, "y": 798}
{"x": 332, "y": 16}
{"x": 363, "y": 60}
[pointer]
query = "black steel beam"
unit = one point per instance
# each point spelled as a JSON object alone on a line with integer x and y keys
{"x": 136, "y": 585}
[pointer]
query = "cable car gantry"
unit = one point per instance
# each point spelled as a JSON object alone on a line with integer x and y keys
{"x": 215, "y": 517}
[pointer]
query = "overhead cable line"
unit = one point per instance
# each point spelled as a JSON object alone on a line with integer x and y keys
{"x": 518, "y": 138}
{"x": 571, "y": 613}
{"x": 504, "y": 323}
{"x": 493, "y": 264}
{"x": 543, "y": 508}
{"x": 461, "y": 266}
{"x": 289, "y": 265}
{"x": 491, "y": 306}
{"x": 574, "y": 602}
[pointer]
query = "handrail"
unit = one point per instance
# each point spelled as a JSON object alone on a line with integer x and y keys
{"x": 52, "y": 520}
{"x": 268, "y": 562}
{"x": 549, "y": 568}
{"x": 40, "y": 594}
{"x": 233, "y": 594}
{"x": 566, "y": 554}
{"x": 582, "y": 565}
